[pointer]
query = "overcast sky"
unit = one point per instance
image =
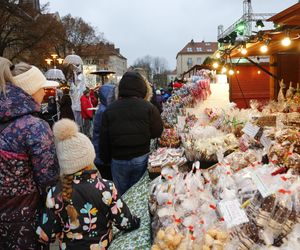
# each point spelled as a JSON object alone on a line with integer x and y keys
{"x": 160, "y": 27}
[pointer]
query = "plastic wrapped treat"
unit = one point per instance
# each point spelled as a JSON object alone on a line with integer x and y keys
{"x": 290, "y": 92}
{"x": 249, "y": 236}
{"x": 245, "y": 186}
{"x": 265, "y": 211}
{"x": 293, "y": 240}
{"x": 215, "y": 238}
{"x": 286, "y": 228}
{"x": 280, "y": 214}
{"x": 253, "y": 208}
{"x": 168, "y": 238}
{"x": 281, "y": 97}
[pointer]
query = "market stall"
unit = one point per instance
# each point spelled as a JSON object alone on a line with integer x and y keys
{"x": 249, "y": 199}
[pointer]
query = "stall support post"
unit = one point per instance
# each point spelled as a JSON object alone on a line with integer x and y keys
{"x": 273, "y": 81}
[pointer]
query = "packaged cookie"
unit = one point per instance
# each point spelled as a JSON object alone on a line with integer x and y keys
{"x": 248, "y": 236}
{"x": 286, "y": 228}
{"x": 253, "y": 207}
{"x": 280, "y": 214}
{"x": 265, "y": 211}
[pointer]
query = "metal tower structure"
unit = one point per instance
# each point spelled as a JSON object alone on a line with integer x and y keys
{"x": 247, "y": 18}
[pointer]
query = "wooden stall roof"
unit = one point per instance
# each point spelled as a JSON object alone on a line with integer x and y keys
{"x": 193, "y": 70}
{"x": 289, "y": 16}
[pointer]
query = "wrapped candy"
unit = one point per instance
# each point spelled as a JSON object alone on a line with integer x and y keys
{"x": 280, "y": 214}
{"x": 248, "y": 236}
{"x": 290, "y": 92}
{"x": 281, "y": 97}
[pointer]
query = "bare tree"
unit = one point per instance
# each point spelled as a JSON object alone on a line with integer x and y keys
{"x": 159, "y": 65}
{"x": 26, "y": 34}
{"x": 154, "y": 66}
{"x": 79, "y": 33}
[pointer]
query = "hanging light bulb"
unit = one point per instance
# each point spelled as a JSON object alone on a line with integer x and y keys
{"x": 224, "y": 70}
{"x": 244, "y": 51}
{"x": 218, "y": 55}
{"x": 215, "y": 65}
{"x": 286, "y": 41}
{"x": 231, "y": 72}
{"x": 264, "y": 48}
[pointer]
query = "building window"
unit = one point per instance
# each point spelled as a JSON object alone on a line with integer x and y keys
{"x": 207, "y": 44}
{"x": 209, "y": 50}
{"x": 189, "y": 49}
{"x": 199, "y": 60}
{"x": 198, "y": 49}
{"x": 190, "y": 62}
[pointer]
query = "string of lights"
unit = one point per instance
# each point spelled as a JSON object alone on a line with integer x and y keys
{"x": 264, "y": 37}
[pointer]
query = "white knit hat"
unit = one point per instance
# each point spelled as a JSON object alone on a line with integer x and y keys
{"x": 33, "y": 80}
{"x": 74, "y": 150}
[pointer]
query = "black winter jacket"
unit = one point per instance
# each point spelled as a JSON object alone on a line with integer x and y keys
{"x": 127, "y": 127}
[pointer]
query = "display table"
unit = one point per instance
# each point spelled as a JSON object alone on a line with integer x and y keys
{"x": 137, "y": 200}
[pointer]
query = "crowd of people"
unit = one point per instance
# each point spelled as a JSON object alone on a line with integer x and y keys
{"x": 50, "y": 188}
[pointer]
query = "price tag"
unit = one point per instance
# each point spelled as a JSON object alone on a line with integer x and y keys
{"x": 261, "y": 184}
{"x": 232, "y": 213}
{"x": 250, "y": 129}
{"x": 266, "y": 142}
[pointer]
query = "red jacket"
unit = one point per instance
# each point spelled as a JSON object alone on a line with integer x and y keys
{"x": 85, "y": 104}
{"x": 93, "y": 98}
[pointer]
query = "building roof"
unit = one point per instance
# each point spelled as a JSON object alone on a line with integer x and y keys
{"x": 199, "y": 48}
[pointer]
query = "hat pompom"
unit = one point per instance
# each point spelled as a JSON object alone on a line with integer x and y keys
{"x": 65, "y": 129}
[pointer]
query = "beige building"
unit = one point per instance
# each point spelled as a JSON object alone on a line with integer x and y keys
{"x": 194, "y": 53}
{"x": 118, "y": 63}
{"x": 171, "y": 76}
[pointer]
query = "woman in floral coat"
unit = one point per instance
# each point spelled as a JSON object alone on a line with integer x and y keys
{"x": 82, "y": 208}
{"x": 28, "y": 163}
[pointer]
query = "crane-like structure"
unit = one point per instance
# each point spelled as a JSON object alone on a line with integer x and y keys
{"x": 247, "y": 20}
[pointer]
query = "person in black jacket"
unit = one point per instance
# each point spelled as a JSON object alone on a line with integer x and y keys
{"x": 65, "y": 104}
{"x": 128, "y": 124}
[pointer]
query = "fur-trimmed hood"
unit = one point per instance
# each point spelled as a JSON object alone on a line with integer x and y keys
{"x": 149, "y": 93}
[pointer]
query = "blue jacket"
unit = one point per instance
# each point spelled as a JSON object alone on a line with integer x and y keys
{"x": 107, "y": 96}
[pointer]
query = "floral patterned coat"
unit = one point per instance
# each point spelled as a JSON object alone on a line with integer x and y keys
{"x": 98, "y": 205}
{"x": 28, "y": 163}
